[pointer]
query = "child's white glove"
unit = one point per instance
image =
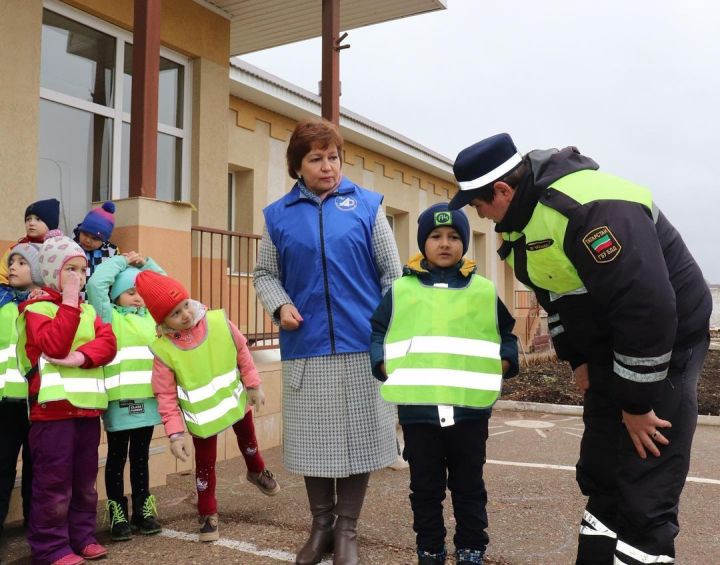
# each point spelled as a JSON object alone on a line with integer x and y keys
{"x": 255, "y": 397}
{"x": 177, "y": 447}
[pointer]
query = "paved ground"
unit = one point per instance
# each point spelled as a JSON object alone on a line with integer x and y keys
{"x": 534, "y": 507}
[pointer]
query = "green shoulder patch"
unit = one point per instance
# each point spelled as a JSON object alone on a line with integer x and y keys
{"x": 602, "y": 244}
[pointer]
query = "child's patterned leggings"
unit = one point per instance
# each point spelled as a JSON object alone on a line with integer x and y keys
{"x": 206, "y": 454}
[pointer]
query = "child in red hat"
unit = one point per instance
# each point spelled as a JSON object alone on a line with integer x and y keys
{"x": 204, "y": 379}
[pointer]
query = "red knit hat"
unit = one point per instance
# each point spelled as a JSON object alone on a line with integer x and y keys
{"x": 160, "y": 293}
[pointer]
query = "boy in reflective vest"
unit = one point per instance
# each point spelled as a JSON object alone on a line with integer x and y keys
{"x": 62, "y": 346}
{"x": 442, "y": 342}
{"x": 132, "y": 408}
{"x": 23, "y": 276}
{"x": 204, "y": 379}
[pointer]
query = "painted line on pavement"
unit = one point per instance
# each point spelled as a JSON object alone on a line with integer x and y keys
{"x": 242, "y": 546}
{"x": 572, "y": 468}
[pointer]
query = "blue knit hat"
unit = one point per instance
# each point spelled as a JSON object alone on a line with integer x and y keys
{"x": 438, "y": 216}
{"x": 100, "y": 221}
{"x": 47, "y": 210}
{"x": 481, "y": 165}
{"x": 125, "y": 280}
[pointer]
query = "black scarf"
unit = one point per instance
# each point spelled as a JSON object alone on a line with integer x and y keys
{"x": 521, "y": 206}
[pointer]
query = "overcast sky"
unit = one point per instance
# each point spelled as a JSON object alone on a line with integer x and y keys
{"x": 633, "y": 84}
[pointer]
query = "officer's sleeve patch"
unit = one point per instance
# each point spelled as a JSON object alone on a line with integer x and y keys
{"x": 602, "y": 244}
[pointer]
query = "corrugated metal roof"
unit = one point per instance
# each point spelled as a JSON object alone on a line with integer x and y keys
{"x": 260, "y": 24}
{"x": 269, "y": 91}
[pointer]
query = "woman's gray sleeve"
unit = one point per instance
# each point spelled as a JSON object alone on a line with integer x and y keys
{"x": 266, "y": 277}
{"x": 387, "y": 259}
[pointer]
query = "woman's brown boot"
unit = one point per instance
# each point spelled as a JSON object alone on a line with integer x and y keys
{"x": 321, "y": 495}
{"x": 350, "y": 497}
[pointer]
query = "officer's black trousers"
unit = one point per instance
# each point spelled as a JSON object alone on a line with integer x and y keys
{"x": 451, "y": 457}
{"x": 14, "y": 428}
{"x": 632, "y": 508}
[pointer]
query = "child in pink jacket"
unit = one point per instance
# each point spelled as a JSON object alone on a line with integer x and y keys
{"x": 204, "y": 379}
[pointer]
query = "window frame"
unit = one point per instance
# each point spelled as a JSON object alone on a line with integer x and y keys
{"x": 116, "y": 112}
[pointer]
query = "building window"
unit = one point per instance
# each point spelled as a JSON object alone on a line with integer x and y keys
{"x": 391, "y": 221}
{"x": 85, "y": 97}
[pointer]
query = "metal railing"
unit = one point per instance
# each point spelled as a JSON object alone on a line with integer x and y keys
{"x": 223, "y": 264}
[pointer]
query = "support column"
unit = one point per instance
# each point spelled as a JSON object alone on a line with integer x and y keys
{"x": 144, "y": 112}
{"x": 330, "y": 86}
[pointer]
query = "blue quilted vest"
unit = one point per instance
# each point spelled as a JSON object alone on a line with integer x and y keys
{"x": 327, "y": 268}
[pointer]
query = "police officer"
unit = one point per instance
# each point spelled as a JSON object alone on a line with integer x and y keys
{"x": 627, "y": 307}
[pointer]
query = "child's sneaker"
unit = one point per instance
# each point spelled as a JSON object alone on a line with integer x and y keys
{"x": 144, "y": 512}
{"x": 119, "y": 527}
{"x": 265, "y": 481}
{"x": 428, "y": 558}
{"x": 93, "y": 551}
{"x": 470, "y": 556}
{"x": 69, "y": 559}
{"x": 209, "y": 529}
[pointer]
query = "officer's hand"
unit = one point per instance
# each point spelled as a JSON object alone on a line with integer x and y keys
{"x": 178, "y": 449}
{"x": 582, "y": 377}
{"x": 644, "y": 433}
{"x": 290, "y": 318}
{"x": 255, "y": 397}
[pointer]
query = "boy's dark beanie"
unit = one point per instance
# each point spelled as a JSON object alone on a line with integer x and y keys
{"x": 438, "y": 216}
{"x": 47, "y": 210}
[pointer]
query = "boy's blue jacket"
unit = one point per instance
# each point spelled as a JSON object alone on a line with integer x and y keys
{"x": 457, "y": 276}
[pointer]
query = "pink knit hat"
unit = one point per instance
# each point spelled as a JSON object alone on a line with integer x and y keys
{"x": 54, "y": 253}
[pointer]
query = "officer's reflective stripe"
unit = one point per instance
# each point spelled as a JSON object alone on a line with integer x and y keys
{"x": 553, "y": 318}
{"x": 655, "y": 213}
{"x": 209, "y": 390}
{"x": 556, "y": 331}
{"x": 595, "y": 527}
{"x": 6, "y": 353}
{"x": 443, "y": 344}
{"x": 641, "y": 556}
{"x": 128, "y": 378}
{"x": 626, "y": 373}
{"x": 72, "y": 384}
{"x": 495, "y": 174}
{"x": 617, "y": 561}
{"x": 132, "y": 353}
{"x": 643, "y": 361}
{"x": 557, "y": 296}
{"x": 446, "y": 378}
{"x": 216, "y": 412}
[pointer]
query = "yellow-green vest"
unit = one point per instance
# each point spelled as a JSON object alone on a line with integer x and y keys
{"x": 128, "y": 376}
{"x": 12, "y": 383}
{"x": 83, "y": 388}
{"x": 547, "y": 266}
{"x": 210, "y": 393}
{"x": 443, "y": 345}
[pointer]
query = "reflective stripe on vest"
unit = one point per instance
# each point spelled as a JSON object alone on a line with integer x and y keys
{"x": 83, "y": 388}
{"x": 443, "y": 345}
{"x": 12, "y": 383}
{"x": 210, "y": 393}
{"x": 128, "y": 376}
{"x": 548, "y": 267}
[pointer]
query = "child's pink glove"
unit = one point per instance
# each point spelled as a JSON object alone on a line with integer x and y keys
{"x": 177, "y": 447}
{"x": 255, "y": 397}
{"x": 71, "y": 289}
{"x": 74, "y": 359}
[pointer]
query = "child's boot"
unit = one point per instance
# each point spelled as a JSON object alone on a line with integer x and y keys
{"x": 144, "y": 512}
{"x": 209, "y": 527}
{"x": 470, "y": 556}
{"x": 119, "y": 526}
{"x": 431, "y": 558}
{"x": 265, "y": 481}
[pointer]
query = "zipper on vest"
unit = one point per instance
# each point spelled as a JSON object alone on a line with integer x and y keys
{"x": 325, "y": 281}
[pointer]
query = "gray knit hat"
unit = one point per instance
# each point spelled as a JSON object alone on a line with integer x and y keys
{"x": 31, "y": 253}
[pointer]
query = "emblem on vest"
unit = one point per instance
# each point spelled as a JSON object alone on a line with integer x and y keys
{"x": 345, "y": 203}
{"x": 443, "y": 218}
{"x": 539, "y": 244}
{"x": 602, "y": 244}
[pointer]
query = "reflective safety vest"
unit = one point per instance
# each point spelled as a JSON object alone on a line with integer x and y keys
{"x": 210, "y": 393}
{"x": 443, "y": 345}
{"x": 83, "y": 388}
{"x": 12, "y": 383}
{"x": 537, "y": 251}
{"x": 128, "y": 375}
